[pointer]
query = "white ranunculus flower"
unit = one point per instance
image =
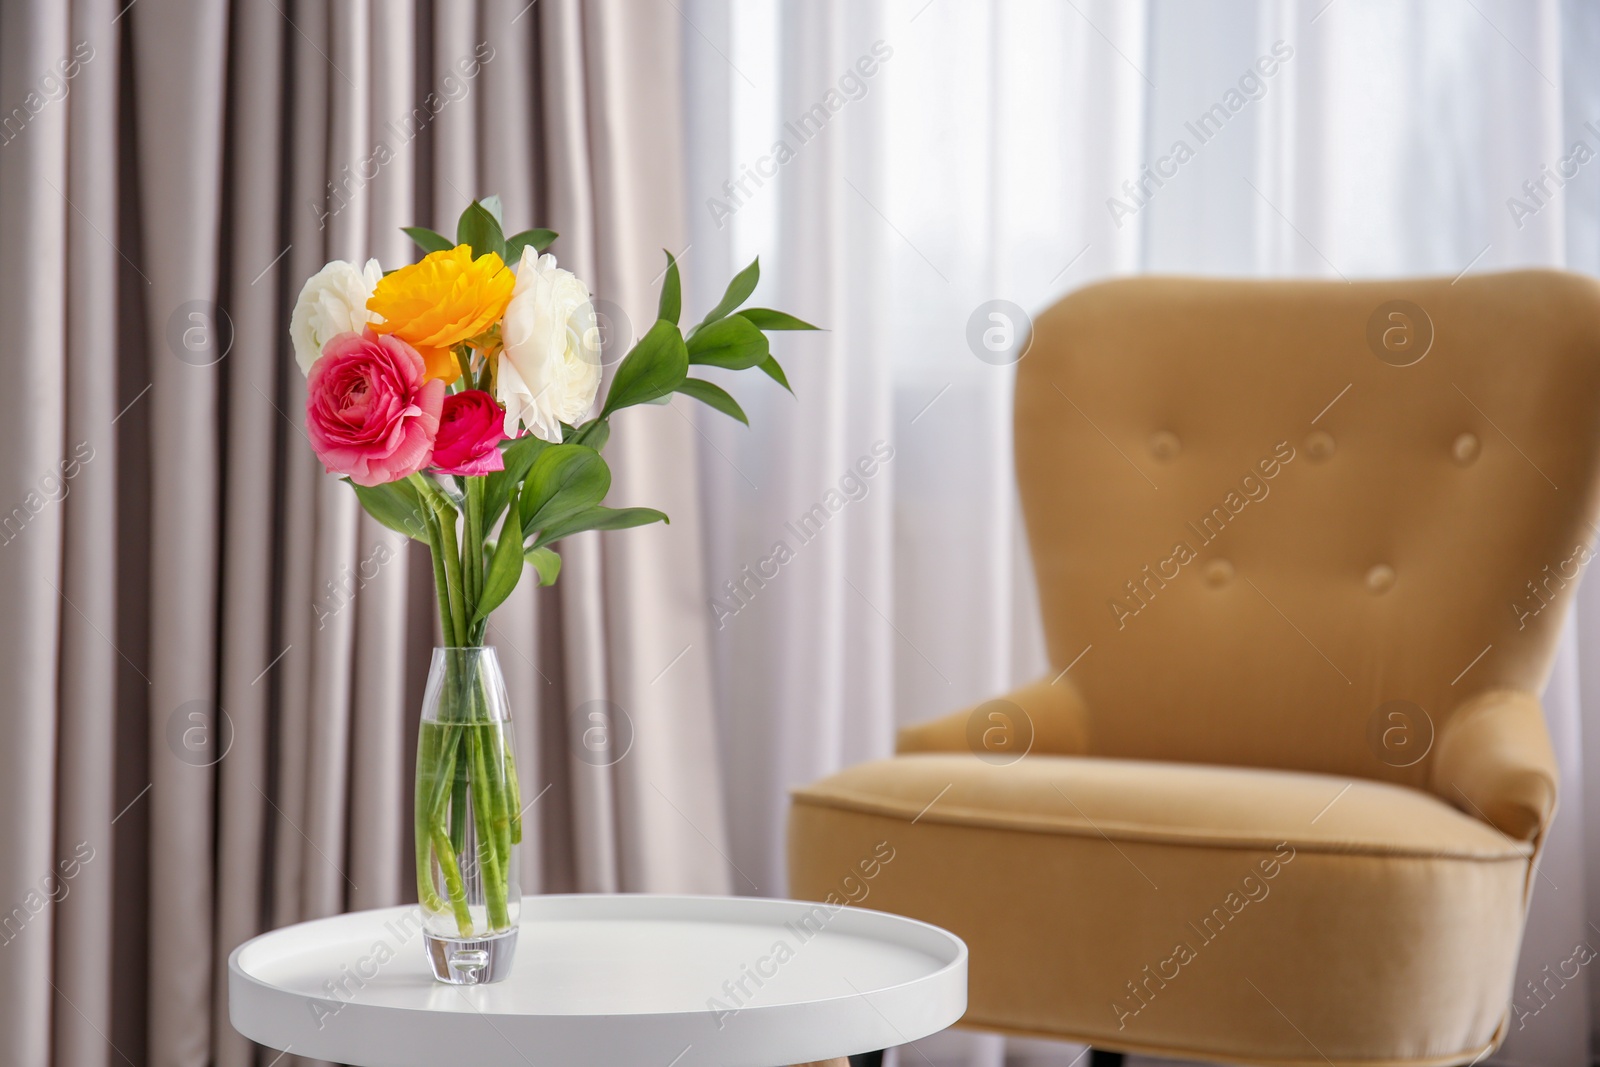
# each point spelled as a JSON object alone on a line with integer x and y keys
{"x": 333, "y": 301}
{"x": 550, "y": 368}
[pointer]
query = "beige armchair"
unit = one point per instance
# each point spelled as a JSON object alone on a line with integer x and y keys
{"x": 1303, "y": 550}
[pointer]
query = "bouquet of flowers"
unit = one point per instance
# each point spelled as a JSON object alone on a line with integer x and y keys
{"x": 454, "y": 395}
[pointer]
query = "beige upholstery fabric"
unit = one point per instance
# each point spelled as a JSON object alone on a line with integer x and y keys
{"x": 1303, "y": 551}
{"x": 1071, "y": 878}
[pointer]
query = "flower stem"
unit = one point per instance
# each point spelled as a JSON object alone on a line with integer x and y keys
{"x": 472, "y": 551}
{"x": 427, "y": 893}
{"x": 488, "y": 847}
{"x": 499, "y": 792}
{"x": 439, "y": 744}
{"x": 489, "y": 770}
{"x": 452, "y": 880}
{"x": 513, "y": 796}
{"x": 452, "y": 571}
{"x": 441, "y": 584}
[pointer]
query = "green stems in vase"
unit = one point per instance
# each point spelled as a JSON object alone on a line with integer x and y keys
{"x": 466, "y": 780}
{"x": 466, "y": 855}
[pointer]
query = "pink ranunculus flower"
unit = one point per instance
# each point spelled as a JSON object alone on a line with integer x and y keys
{"x": 370, "y": 411}
{"x": 471, "y": 428}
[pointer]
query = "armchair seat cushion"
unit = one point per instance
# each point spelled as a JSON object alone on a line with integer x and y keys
{"x": 1265, "y": 916}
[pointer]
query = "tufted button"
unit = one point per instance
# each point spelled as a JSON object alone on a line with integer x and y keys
{"x": 1163, "y": 444}
{"x": 1319, "y": 444}
{"x": 1380, "y": 578}
{"x": 1465, "y": 448}
{"x": 1218, "y": 573}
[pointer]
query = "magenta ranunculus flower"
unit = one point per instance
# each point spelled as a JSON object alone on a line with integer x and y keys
{"x": 370, "y": 411}
{"x": 471, "y": 428}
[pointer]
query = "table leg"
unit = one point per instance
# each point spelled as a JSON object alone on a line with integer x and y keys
{"x": 840, "y": 1062}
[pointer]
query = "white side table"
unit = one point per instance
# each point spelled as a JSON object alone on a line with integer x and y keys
{"x": 607, "y": 981}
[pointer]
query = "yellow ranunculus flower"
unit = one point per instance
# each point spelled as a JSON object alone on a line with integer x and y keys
{"x": 442, "y": 301}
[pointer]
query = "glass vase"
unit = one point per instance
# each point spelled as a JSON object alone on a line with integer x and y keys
{"x": 468, "y": 819}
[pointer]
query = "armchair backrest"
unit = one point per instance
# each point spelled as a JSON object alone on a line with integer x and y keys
{"x": 1296, "y": 523}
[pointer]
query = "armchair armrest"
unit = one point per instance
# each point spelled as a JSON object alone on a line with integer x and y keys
{"x": 1494, "y": 761}
{"x": 1054, "y": 713}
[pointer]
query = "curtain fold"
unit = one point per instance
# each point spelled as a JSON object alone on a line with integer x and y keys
{"x": 216, "y": 659}
{"x": 254, "y": 300}
{"x": 82, "y": 997}
{"x": 32, "y": 432}
{"x": 179, "y": 133}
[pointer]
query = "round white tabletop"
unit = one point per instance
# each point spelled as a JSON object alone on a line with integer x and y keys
{"x": 607, "y": 981}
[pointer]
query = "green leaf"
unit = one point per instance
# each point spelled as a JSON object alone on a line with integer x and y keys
{"x": 732, "y": 342}
{"x": 714, "y": 396}
{"x": 598, "y": 519}
{"x": 767, "y": 319}
{"x": 395, "y": 505}
{"x": 539, "y": 239}
{"x": 671, "y": 293}
{"x": 505, "y": 567}
{"x": 564, "y": 479}
{"x": 770, "y": 368}
{"x": 518, "y": 456}
{"x": 594, "y": 433}
{"x": 491, "y": 204}
{"x": 653, "y": 368}
{"x": 481, "y": 230}
{"x": 739, "y": 290}
{"x": 427, "y": 240}
{"x": 546, "y": 562}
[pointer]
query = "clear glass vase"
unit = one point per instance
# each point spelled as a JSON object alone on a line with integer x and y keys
{"x": 468, "y": 819}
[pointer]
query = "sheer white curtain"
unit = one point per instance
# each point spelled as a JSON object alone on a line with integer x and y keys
{"x": 909, "y": 162}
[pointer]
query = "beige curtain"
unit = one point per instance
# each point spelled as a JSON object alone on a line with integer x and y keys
{"x": 213, "y": 660}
